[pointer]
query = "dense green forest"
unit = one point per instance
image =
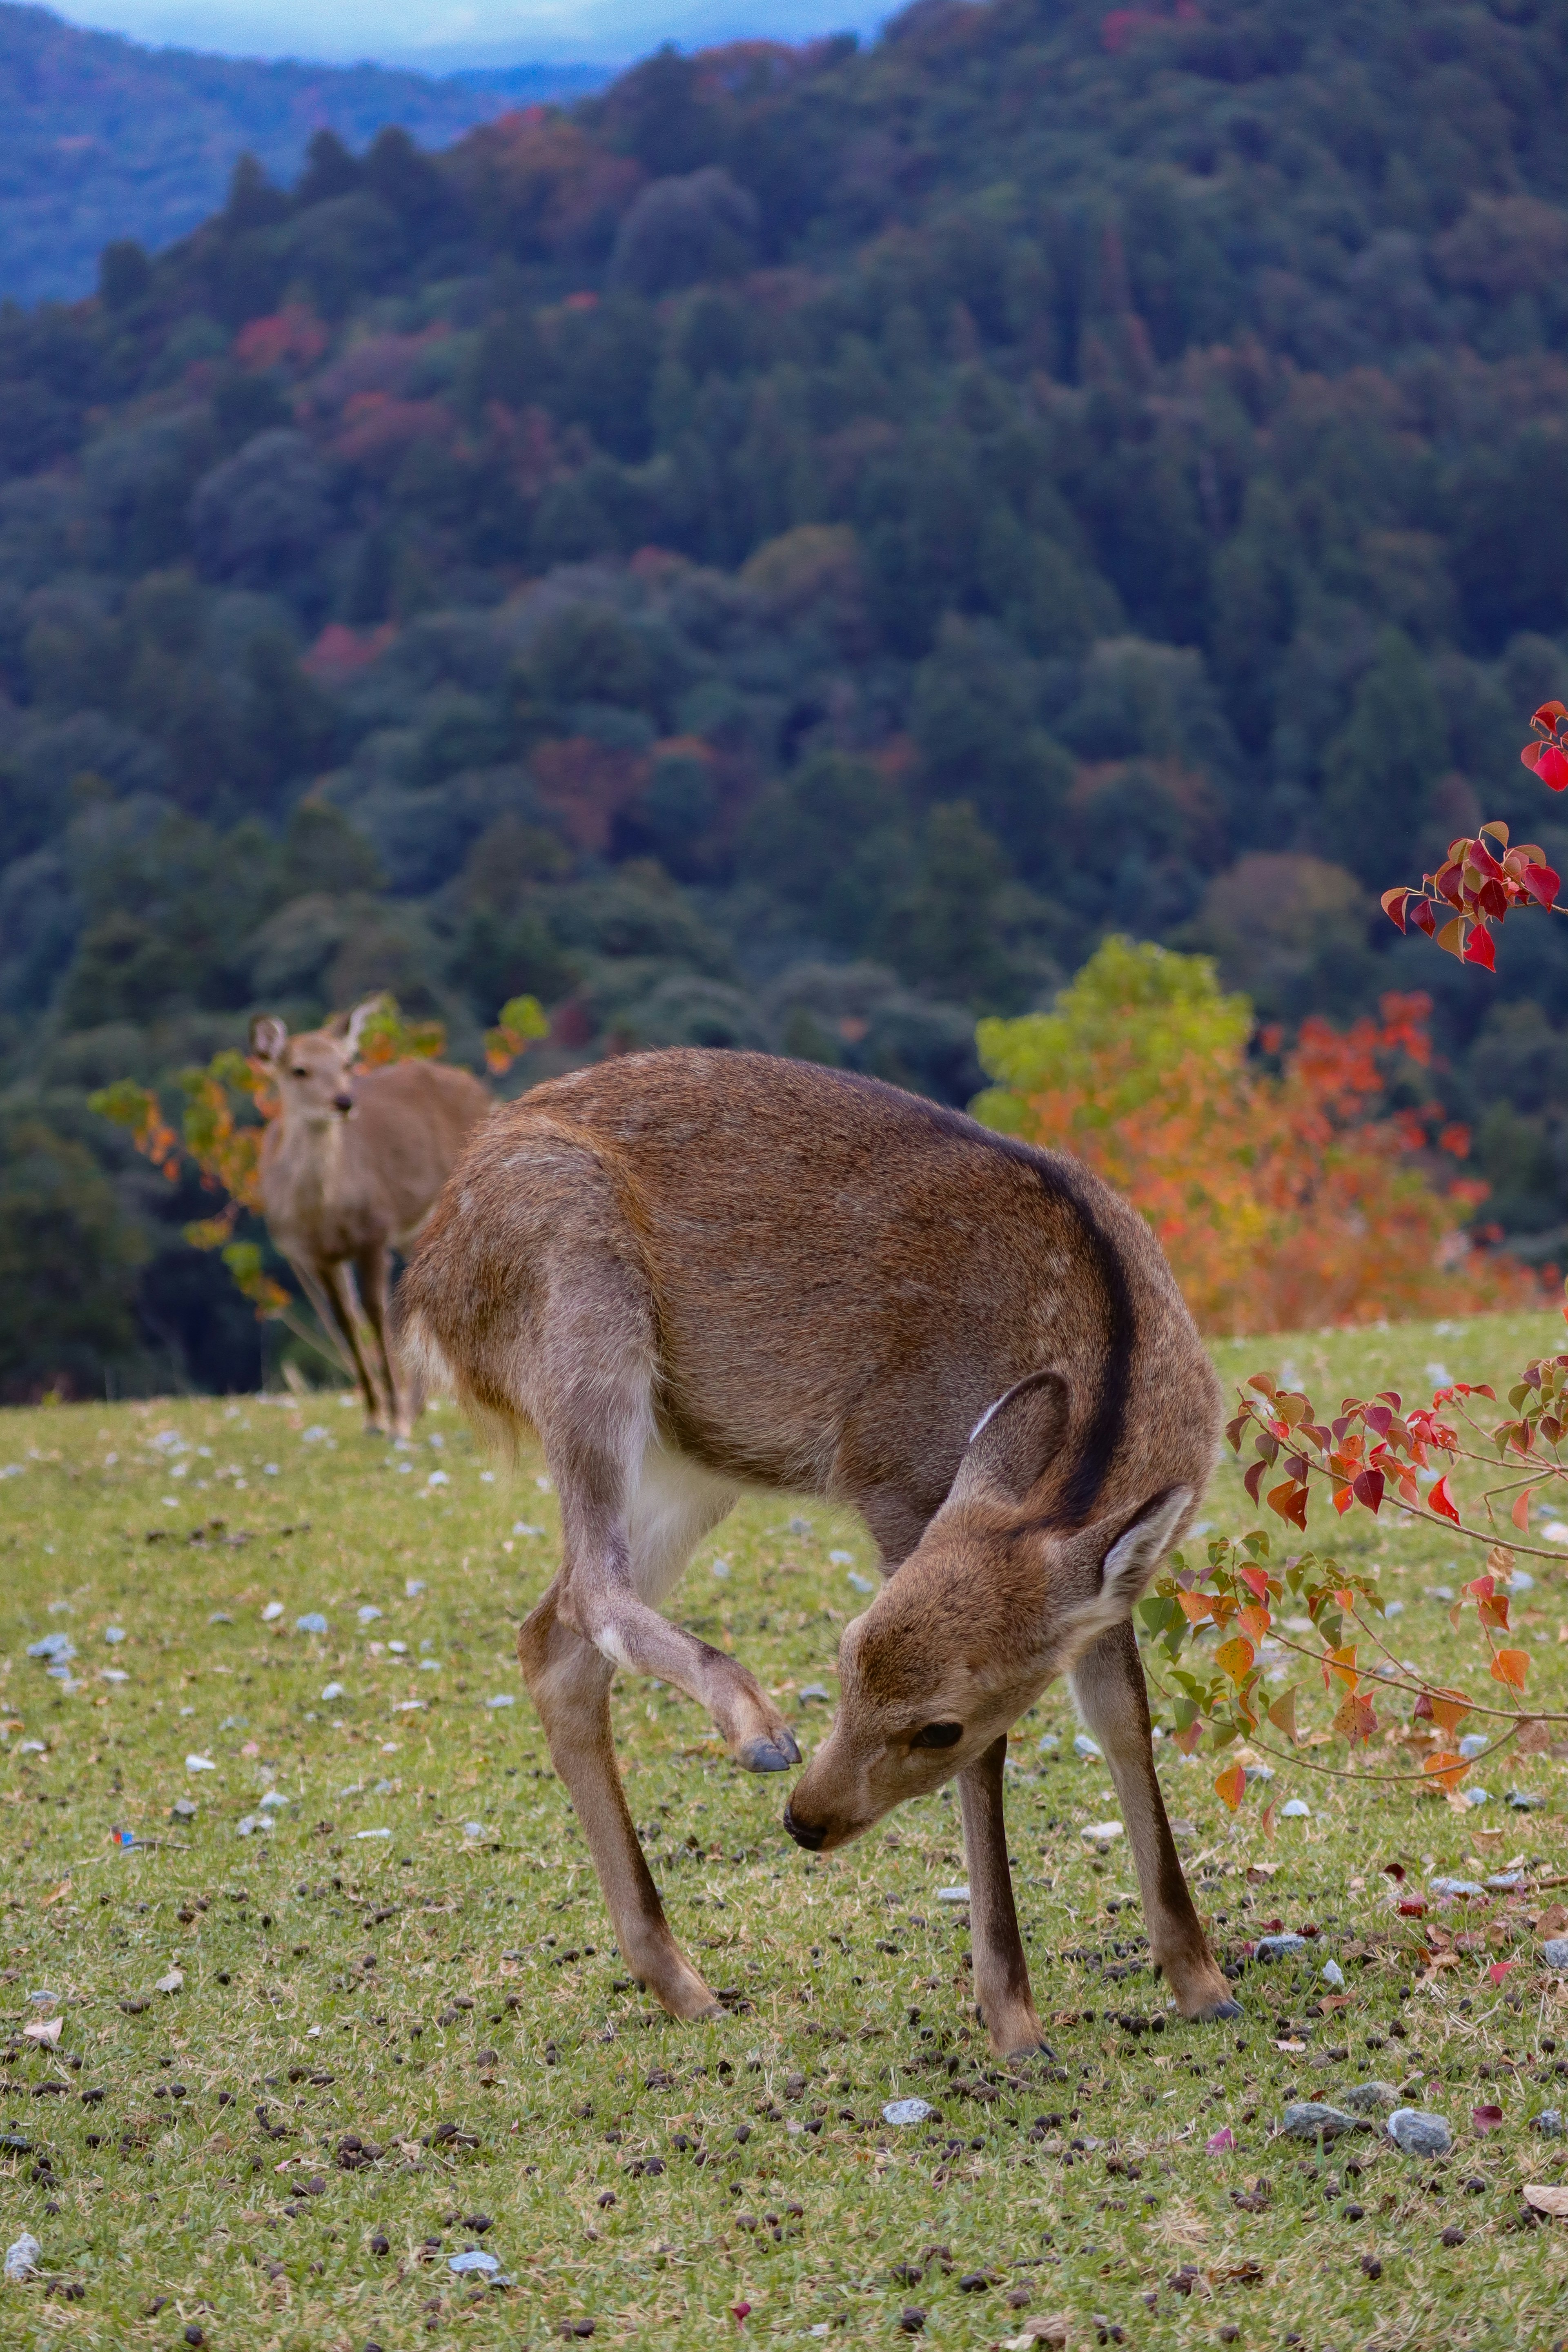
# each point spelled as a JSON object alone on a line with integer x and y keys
{"x": 789, "y": 552}
{"x": 105, "y": 138}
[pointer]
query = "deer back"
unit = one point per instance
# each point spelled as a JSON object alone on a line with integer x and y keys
{"x": 844, "y": 1278}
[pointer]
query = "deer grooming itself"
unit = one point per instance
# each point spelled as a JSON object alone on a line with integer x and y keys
{"x": 695, "y": 1272}
{"x": 349, "y": 1171}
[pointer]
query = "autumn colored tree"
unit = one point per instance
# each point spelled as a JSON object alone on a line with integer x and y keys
{"x": 1281, "y": 1199}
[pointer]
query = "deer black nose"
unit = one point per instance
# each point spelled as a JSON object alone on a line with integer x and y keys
{"x": 805, "y": 1833}
{"x": 342, "y": 1102}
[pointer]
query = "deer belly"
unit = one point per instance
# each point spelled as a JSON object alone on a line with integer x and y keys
{"x": 671, "y": 1504}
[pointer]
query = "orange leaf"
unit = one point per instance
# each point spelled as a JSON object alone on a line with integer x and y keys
{"x": 1447, "y": 1712}
{"x": 1187, "y": 1740}
{"x": 1254, "y": 1623}
{"x": 1282, "y": 1714}
{"x": 1520, "y": 1513}
{"x": 1268, "y": 1821}
{"x": 1510, "y": 1666}
{"x": 1236, "y": 1658}
{"x": 1446, "y": 1771}
{"x": 1231, "y": 1786}
{"x": 1341, "y": 1663}
{"x": 1289, "y": 1500}
{"x": 1442, "y": 1502}
{"x": 1194, "y": 1606}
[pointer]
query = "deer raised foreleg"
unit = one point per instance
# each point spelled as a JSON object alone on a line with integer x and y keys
{"x": 1002, "y": 1990}
{"x": 1109, "y": 1690}
{"x": 569, "y": 1682}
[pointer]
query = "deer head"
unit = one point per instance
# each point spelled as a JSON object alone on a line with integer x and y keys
{"x": 314, "y": 1072}
{"x": 997, "y": 1600}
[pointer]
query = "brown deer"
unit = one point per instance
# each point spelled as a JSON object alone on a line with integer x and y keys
{"x": 349, "y": 1171}
{"x": 696, "y": 1272}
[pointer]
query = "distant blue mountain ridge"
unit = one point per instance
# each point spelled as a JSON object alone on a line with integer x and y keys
{"x": 104, "y": 138}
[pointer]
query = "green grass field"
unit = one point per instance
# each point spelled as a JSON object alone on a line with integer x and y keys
{"x": 403, "y": 2031}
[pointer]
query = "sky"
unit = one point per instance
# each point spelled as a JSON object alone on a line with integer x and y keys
{"x": 447, "y": 36}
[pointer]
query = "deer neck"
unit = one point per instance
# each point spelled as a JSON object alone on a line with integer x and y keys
{"x": 318, "y": 1158}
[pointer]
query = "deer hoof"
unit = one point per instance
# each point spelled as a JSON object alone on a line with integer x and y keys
{"x": 1216, "y": 2012}
{"x": 775, "y": 1755}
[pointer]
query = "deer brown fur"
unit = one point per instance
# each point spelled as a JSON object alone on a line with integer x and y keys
{"x": 349, "y": 1171}
{"x": 693, "y": 1273}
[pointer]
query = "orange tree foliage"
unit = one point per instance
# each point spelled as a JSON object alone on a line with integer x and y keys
{"x": 1286, "y": 1199}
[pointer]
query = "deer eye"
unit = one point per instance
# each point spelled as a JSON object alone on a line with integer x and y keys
{"x": 938, "y": 1735}
{"x": 298, "y": 1072}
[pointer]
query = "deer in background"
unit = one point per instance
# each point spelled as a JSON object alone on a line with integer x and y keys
{"x": 695, "y": 1272}
{"x": 349, "y": 1171}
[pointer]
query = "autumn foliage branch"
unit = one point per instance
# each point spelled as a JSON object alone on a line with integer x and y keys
{"x": 1375, "y": 1454}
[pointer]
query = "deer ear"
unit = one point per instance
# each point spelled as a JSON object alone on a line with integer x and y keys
{"x": 356, "y": 1022}
{"x": 269, "y": 1037}
{"x": 1137, "y": 1551}
{"x": 1013, "y": 1443}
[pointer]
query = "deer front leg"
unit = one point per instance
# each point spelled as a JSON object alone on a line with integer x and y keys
{"x": 1001, "y": 1971}
{"x": 569, "y": 1683}
{"x": 1108, "y": 1688}
{"x": 338, "y": 1284}
{"x": 372, "y": 1266}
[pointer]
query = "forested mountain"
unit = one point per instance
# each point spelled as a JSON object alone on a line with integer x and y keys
{"x": 104, "y": 138}
{"x": 791, "y": 551}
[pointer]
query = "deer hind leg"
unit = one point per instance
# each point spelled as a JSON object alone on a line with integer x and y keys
{"x": 337, "y": 1282}
{"x": 613, "y": 1563}
{"x": 1002, "y": 1990}
{"x": 569, "y": 1682}
{"x": 372, "y": 1268}
{"x": 1108, "y": 1689}
{"x": 631, "y": 1507}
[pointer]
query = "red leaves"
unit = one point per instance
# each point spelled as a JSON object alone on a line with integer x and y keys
{"x": 1549, "y": 763}
{"x": 1482, "y": 880}
{"x": 1289, "y": 1500}
{"x": 1442, "y": 1502}
{"x": 1368, "y": 1489}
{"x": 1488, "y": 2117}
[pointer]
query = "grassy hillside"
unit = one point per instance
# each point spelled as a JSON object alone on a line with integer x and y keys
{"x": 107, "y": 139}
{"x": 790, "y": 552}
{"x": 386, "y": 1928}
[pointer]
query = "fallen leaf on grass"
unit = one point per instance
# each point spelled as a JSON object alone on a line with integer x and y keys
{"x": 1220, "y": 2143}
{"x": 173, "y": 1981}
{"x": 45, "y": 2029}
{"x": 1546, "y": 2196}
{"x": 1486, "y": 2118}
